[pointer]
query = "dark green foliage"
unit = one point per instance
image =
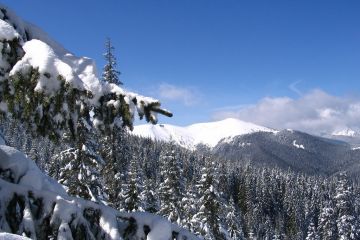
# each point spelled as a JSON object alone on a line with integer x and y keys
{"x": 38, "y": 110}
{"x": 15, "y": 212}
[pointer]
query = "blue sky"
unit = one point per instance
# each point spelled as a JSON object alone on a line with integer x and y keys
{"x": 208, "y": 60}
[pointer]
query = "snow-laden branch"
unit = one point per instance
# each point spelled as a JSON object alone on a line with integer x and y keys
{"x": 51, "y": 89}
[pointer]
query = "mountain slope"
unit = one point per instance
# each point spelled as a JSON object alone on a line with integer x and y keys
{"x": 289, "y": 149}
{"x": 241, "y": 142}
{"x": 206, "y": 133}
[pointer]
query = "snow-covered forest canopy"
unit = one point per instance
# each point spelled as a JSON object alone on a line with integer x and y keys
{"x": 71, "y": 169}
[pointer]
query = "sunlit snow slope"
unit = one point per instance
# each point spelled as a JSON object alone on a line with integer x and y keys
{"x": 206, "y": 133}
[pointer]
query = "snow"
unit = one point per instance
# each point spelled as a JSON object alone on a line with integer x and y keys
{"x": 347, "y": 132}
{"x": 7, "y": 32}
{"x": 109, "y": 224}
{"x": 9, "y": 236}
{"x": 298, "y": 145}
{"x": 25, "y": 171}
{"x": 167, "y": 133}
{"x": 64, "y": 232}
{"x": 206, "y": 133}
{"x": 161, "y": 229}
{"x": 15, "y": 21}
{"x": 40, "y": 55}
{"x": 244, "y": 144}
{"x": 29, "y": 178}
{"x": 65, "y": 209}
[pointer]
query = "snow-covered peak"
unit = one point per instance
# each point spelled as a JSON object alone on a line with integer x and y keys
{"x": 167, "y": 133}
{"x": 212, "y": 132}
{"x": 209, "y": 133}
{"x": 346, "y": 132}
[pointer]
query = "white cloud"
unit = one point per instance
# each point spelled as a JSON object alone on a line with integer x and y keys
{"x": 316, "y": 112}
{"x": 188, "y": 96}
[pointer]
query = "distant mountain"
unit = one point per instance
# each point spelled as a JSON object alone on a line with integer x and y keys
{"x": 238, "y": 141}
{"x": 293, "y": 150}
{"x": 201, "y": 133}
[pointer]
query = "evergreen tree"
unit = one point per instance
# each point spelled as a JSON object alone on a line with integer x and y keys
{"x": 346, "y": 221}
{"x": 327, "y": 222}
{"x": 268, "y": 229}
{"x": 116, "y": 151}
{"x": 110, "y": 73}
{"x": 149, "y": 197}
{"x": 233, "y": 221}
{"x": 79, "y": 167}
{"x": 208, "y": 217}
{"x": 112, "y": 181}
{"x": 312, "y": 233}
{"x": 130, "y": 193}
{"x": 171, "y": 186}
{"x": 189, "y": 208}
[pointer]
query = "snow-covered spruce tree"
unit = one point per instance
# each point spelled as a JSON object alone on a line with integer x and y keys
{"x": 171, "y": 186}
{"x": 78, "y": 168}
{"x": 149, "y": 197}
{"x": 312, "y": 232}
{"x": 327, "y": 222}
{"x": 112, "y": 141}
{"x": 233, "y": 221}
{"x": 347, "y": 222}
{"x": 189, "y": 207}
{"x": 110, "y": 73}
{"x": 312, "y": 203}
{"x": 268, "y": 228}
{"x": 208, "y": 219}
{"x": 112, "y": 177}
{"x": 131, "y": 189}
{"x": 116, "y": 152}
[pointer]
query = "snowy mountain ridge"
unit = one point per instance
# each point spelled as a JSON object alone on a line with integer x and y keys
{"x": 347, "y": 132}
{"x": 209, "y": 133}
